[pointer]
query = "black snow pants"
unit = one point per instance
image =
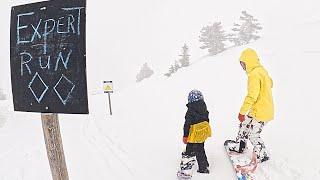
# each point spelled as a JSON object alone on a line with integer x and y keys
{"x": 197, "y": 149}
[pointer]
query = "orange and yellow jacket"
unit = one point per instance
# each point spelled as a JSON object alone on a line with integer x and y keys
{"x": 258, "y": 102}
{"x": 196, "y": 125}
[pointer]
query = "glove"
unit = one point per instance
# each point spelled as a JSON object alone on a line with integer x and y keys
{"x": 185, "y": 140}
{"x": 241, "y": 117}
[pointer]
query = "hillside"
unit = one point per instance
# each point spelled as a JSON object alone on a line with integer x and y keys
{"x": 143, "y": 137}
{"x": 142, "y": 140}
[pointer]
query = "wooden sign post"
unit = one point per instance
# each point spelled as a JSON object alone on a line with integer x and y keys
{"x": 48, "y": 67}
{"x": 53, "y": 140}
{"x": 108, "y": 88}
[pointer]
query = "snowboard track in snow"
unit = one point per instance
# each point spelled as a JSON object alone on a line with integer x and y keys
{"x": 106, "y": 147}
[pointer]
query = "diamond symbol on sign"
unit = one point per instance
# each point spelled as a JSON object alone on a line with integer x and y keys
{"x": 36, "y": 91}
{"x": 64, "y": 88}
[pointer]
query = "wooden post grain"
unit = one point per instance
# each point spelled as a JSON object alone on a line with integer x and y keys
{"x": 52, "y": 136}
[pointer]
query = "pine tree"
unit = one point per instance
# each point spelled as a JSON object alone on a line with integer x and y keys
{"x": 185, "y": 56}
{"x": 176, "y": 66}
{"x": 184, "y": 62}
{"x": 245, "y": 32}
{"x": 145, "y": 72}
{"x": 172, "y": 70}
{"x": 234, "y": 38}
{"x": 167, "y": 74}
{"x": 213, "y": 38}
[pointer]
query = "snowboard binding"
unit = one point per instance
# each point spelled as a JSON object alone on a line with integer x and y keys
{"x": 234, "y": 146}
{"x": 186, "y": 166}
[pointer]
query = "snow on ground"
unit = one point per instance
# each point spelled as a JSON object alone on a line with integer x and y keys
{"x": 142, "y": 139}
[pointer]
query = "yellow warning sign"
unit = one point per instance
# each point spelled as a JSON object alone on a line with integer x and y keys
{"x": 107, "y": 86}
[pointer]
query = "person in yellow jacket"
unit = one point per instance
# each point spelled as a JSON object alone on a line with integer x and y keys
{"x": 257, "y": 109}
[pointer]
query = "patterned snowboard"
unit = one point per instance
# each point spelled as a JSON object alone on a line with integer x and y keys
{"x": 241, "y": 163}
{"x": 183, "y": 176}
{"x": 186, "y": 165}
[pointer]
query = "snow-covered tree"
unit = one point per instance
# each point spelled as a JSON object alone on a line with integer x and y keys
{"x": 213, "y": 38}
{"x": 172, "y": 70}
{"x": 245, "y": 32}
{"x": 234, "y": 39}
{"x": 184, "y": 60}
{"x": 167, "y": 74}
{"x": 145, "y": 72}
{"x": 176, "y": 66}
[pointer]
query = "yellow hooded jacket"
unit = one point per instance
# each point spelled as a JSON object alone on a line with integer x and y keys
{"x": 259, "y": 101}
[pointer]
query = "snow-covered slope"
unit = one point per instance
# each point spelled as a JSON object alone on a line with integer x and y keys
{"x": 142, "y": 140}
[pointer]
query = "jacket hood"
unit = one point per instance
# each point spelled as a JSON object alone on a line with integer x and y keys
{"x": 250, "y": 58}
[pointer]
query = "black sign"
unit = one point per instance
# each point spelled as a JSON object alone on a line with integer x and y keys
{"x": 48, "y": 57}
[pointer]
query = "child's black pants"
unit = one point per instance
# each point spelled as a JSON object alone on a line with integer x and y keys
{"x": 197, "y": 149}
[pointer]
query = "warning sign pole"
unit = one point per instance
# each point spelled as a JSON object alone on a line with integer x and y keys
{"x": 109, "y": 103}
{"x": 108, "y": 88}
